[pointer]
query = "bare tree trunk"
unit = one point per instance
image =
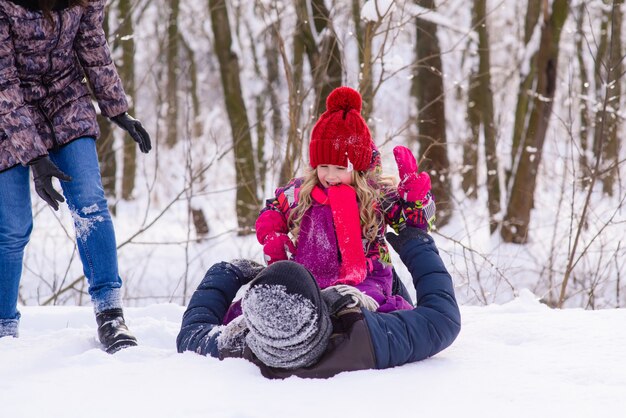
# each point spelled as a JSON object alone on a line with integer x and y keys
{"x": 127, "y": 74}
{"x": 485, "y": 104}
{"x": 533, "y": 10}
{"x": 365, "y": 35}
{"x": 517, "y": 219}
{"x": 106, "y": 153}
{"x": 609, "y": 71}
{"x": 431, "y": 122}
{"x": 259, "y": 106}
{"x": 274, "y": 130}
{"x": 600, "y": 77}
{"x": 192, "y": 88}
{"x": 261, "y": 133}
{"x": 273, "y": 83}
{"x": 585, "y": 124}
{"x": 246, "y": 198}
{"x": 293, "y": 151}
{"x": 273, "y": 86}
{"x": 325, "y": 58}
{"x": 469, "y": 173}
{"x": 616, "y": 67}
{"x": 171, "y": 119}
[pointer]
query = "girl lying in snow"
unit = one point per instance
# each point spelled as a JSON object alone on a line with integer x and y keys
{"x": 337, "y": 214}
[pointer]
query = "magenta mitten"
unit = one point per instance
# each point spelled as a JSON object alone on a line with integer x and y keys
{"x": 413, "y": 186}
{"x": 268, "y": 223}
{"x": 418, "y": 205}
{"x": 278, "y": 247}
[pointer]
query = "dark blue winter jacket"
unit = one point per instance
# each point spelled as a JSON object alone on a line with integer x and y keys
{"x": 361, "y": 339}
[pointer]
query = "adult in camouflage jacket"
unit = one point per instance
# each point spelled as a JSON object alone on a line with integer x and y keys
{"x": 53, "y": 55}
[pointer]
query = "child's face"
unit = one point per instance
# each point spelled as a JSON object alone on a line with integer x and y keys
{"x": 332, "y": 175}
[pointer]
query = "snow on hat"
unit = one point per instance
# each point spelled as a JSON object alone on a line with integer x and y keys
{"x": 288, "y": 321}
{"x": 341, "y": 136}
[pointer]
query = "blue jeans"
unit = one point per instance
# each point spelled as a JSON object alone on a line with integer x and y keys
{"x": 95, "y": 236}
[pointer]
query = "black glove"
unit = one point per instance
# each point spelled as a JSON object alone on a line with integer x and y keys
{"x": 335, "y": 300}
{"x": 249, "y": 269}
{"x": 135, "y": 129}
{"x": 407, "y": 234}
{"x": 43, "y": 171}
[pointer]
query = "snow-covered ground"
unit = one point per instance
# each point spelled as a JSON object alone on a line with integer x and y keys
{"x": 519, "y": 359}
{"x": 516, "y": 359}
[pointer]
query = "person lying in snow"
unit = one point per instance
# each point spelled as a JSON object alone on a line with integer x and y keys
{"x": 291, "y": 328}
{"x": 337, "y": 214}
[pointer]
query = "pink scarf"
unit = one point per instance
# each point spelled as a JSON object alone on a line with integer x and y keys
{"x": 346, "y": 219}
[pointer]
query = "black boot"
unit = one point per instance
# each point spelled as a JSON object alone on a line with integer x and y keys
{"x": 113, "y": 332}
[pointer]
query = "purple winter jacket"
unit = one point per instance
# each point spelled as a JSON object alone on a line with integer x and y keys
{"x": 317, "y": 247}
{"x": 45, "y": 101}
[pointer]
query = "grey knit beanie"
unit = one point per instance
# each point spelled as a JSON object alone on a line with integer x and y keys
{"x": 288, "y": 321}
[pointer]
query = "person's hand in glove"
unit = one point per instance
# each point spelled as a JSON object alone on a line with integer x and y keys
{"x": 414, "y": 190}
{"x": 43, "y": 171}
{"x": 343, "y": 296}
{"x": 413, "y": 186}
{"x": 135, "y": 129}
{"x": 249, "y": 269}
{"x": 278, "y": 246}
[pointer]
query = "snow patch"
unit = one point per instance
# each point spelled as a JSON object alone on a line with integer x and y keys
{"x": 85, "y": 226}
{"x": 90, "y": 209}
{"x": 526, "y": 301}
{"x": 518, "y": 365}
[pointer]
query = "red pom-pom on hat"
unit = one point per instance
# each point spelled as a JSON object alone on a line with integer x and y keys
{"x": 345, "y": 99}
{"x": 341, "y": 136}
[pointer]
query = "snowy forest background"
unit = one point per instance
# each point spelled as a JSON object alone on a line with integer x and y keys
{"x": 514, "y": 107}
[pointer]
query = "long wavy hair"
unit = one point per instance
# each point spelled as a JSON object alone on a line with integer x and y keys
{"x": 368, "y": 186}
{"x": 47, "y": 6}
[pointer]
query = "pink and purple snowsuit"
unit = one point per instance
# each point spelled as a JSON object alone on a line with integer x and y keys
{"x": 318, "y": 249}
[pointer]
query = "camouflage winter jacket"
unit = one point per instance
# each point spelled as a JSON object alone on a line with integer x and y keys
{"x": 45, "y": 66}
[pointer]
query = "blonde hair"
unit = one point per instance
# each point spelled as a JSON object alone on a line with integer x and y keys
{"x": 367, "y": 184}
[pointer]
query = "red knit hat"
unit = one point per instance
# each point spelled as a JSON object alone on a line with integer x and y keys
{"x": 341, "y": 135}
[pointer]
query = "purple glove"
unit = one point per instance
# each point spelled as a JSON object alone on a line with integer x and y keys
{"x": 413, "y": 186}
{"x": 278, "y": 247}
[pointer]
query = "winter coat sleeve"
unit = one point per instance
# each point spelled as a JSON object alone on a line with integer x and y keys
{"x": 207, "y": 307}
{"x": 411, "y": 335}
{"x": 95, "y": 57}
{"x": 16, "y": 124}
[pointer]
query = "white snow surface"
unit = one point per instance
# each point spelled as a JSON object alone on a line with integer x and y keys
{"x": 514, "y": 357}
{"x": 519, "y": 359}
